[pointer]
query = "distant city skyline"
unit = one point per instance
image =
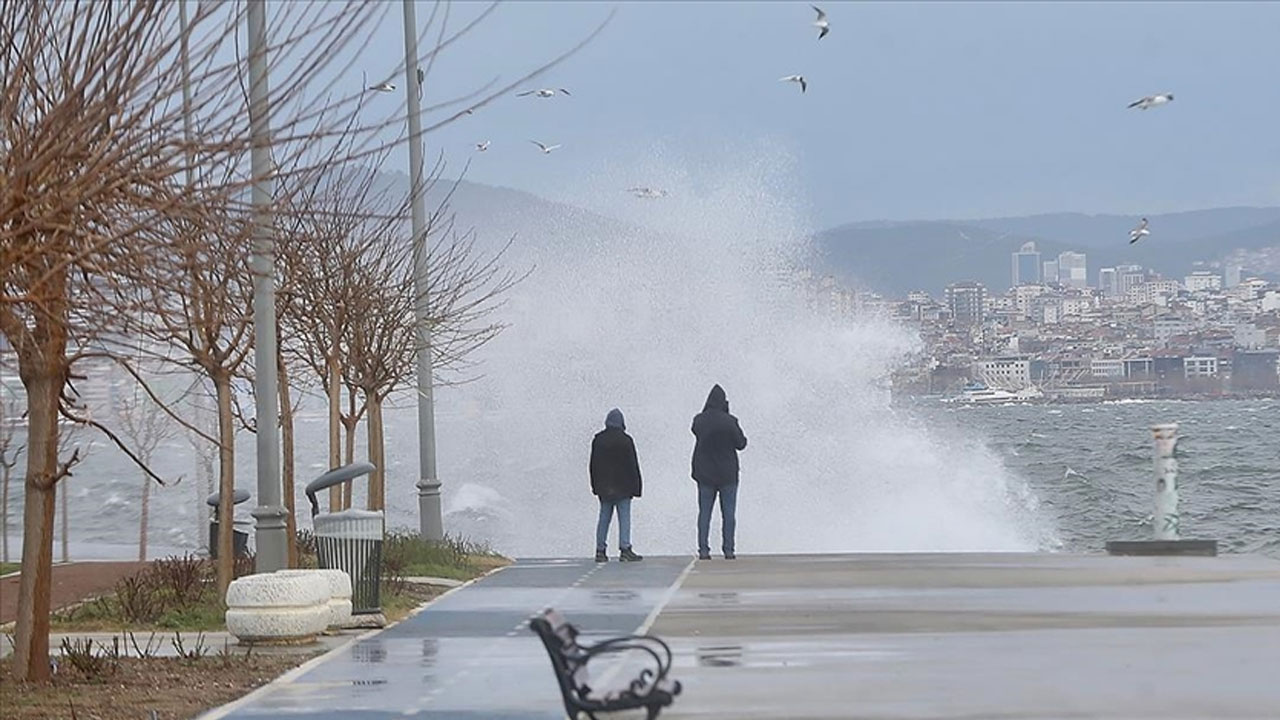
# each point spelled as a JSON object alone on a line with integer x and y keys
{"x": 913, "y": 110}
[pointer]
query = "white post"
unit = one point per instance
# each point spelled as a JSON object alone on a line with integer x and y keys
{"x": 1164, "y": 522}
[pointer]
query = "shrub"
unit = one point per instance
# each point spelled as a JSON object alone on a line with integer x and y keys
{"x": 93, "y": 665}
{"x": 139, "y": 599}
{"x": 184, "y": 579}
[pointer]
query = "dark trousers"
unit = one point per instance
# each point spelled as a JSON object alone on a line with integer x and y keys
{"x": 728, "y": 521}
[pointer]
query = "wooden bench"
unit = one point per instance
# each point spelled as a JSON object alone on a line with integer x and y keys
{"x": 652, "y": 689}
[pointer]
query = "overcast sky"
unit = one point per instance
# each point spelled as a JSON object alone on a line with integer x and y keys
{"x": 914, "y": 110}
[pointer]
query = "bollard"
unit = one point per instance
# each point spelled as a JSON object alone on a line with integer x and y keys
{"x": 1164, "y": 521}
{"x": 1166, "y": 524}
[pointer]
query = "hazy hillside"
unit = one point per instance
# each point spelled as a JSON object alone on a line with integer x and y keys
{"x": 895, "y": 257}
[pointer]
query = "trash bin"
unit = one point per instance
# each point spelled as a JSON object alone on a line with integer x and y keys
{"x": 350, "y": 540}
{"x": 239, "y": 538}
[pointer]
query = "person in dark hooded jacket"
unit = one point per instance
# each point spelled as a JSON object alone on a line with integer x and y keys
{"x": 615, "y": 479}
{"x": 715, "y": 469}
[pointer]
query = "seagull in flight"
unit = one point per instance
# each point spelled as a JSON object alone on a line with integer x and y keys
{"x": 543, "y": 92}
{"x": 647, "y": 193}
{"x": 1139, "y": 232}
{"x": 482, "y": 146}
{"x": 546, "y": 149}
{"x": 383, "y": 87}
{"x": 1151, "y": 101}
{"x": 796, "y": 79}
{"x": 821, "y": 23}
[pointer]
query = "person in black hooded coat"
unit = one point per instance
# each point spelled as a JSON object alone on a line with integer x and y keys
{"x": 715, "y": 469}
{"x": 615, "y": 479}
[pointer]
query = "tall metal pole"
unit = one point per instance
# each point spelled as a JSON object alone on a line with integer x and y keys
{"x": 430, "y": 521}
{"x": 272, "y": 552}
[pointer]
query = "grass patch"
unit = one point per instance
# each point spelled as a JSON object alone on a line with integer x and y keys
{"x": 407, "y": 555}
{"x": 6, "y": 568}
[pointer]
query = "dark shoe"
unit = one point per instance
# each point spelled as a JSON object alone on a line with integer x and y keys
{"x": 730, "y": 556}
{"x": 629, "y": 555}
{"x": 704, "y": 556}
{"x": 601, "y": 557}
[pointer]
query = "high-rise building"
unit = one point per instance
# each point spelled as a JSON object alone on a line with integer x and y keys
{"x": 1050, "y": 274}
{"x": 1129, "y": 277}
{"x": 1108, "y": 282}
{"x": 1073, "y": 270}
{"x": 1026, "y": 265}
{"x": 967, "y": 302}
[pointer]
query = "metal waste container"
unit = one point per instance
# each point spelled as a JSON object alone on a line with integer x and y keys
{"x": 239, "y": 537}
{"x": 350, "y": 540}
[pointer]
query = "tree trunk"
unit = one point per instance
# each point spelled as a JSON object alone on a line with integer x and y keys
{"x": 226, "y": 481}
{"x": 31, "y": 651}
{"x": 334, "y": 392}
{"x": 286, "y": 476}
{"x": 377, "y": 478}
{"x": 6, "y": 472}
{"x": 66, "y": 555}
{"x": 142, "y": 524}
{"x": 4, "y": 503}
{"x": 350, "y": 423}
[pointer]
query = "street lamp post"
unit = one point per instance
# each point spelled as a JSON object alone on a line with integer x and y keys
{"x": 272, "y": 551}
{"x": 430, "y": 521}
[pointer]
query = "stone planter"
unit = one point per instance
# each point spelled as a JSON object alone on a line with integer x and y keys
{"x": 339, "y": 584}
{"x": 275, "y": 608}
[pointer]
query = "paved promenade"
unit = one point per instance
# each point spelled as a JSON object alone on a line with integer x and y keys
{"x": 838, "y": 636}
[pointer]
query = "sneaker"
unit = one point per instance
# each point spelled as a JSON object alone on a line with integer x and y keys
{"x": 629, "y": 555}
{"x": 730, "y": 556}
{"x": 704, "y": 556}
{"x": 601, "y": 557}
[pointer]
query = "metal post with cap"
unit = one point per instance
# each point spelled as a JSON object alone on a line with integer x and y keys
{"x": 1166, "y": 522}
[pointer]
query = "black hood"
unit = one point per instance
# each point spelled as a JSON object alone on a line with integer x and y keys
{"x": 716, "y": 400}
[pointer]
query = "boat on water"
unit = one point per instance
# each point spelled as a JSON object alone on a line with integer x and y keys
{"x": 980, "y": 394}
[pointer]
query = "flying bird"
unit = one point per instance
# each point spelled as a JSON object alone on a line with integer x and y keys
{"x": 546, "y": 149}
{"x": 647, "y": 193}
{"x": 796, "y": 79}
{"x": 1151, "y": 101}
{"x": 382, "y": 87}
{"x": 1139, "y": 232}
{"x": 482, "y": 146}
{"x": 821, "y": 23}
{"x": 543, "y": 92}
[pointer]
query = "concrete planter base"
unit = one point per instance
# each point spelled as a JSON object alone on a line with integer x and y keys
{"x": 274, "y": 608}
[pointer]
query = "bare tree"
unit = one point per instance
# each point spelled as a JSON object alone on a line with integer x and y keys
{"x": 91, "y": 155}
{"x": 145, "y": 425}
{"x": 90, "y": 152}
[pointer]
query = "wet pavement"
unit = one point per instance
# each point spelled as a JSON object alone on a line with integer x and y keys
{"x": 837, "y": 636}
{"x": 977, "y": 636}
{"x": 471, "y": 654}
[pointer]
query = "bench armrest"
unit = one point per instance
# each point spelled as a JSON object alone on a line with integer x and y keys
{"x": 649, "y": 679}
{"x": 635, "y": 642}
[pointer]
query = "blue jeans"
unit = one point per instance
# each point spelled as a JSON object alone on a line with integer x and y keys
{"x": 728, "y": 521}
{"x": 607, "y": 508}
